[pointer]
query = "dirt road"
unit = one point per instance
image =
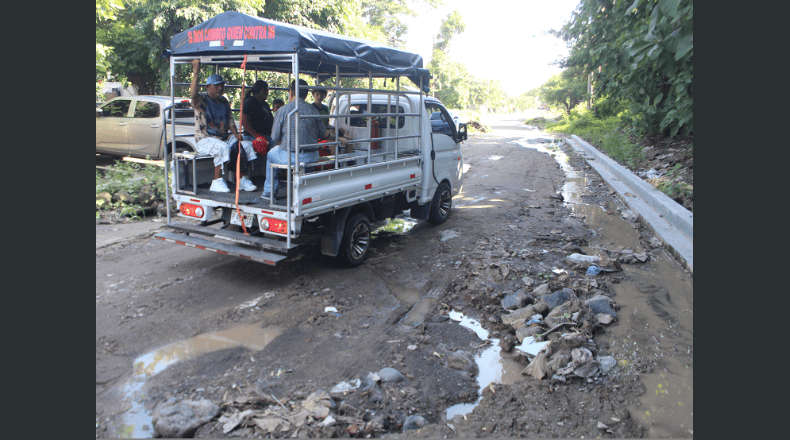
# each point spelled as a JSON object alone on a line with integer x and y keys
{"x": 180, "y": 323}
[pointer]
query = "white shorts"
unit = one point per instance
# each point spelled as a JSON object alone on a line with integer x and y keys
{"x": 220, "y": 150}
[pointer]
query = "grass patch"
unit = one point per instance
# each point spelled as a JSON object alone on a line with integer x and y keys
{"x": 608, "y": 134}
{"x": 672, "y": 185}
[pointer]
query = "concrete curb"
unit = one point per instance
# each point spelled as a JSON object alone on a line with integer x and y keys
{"x": 669, "y": 221}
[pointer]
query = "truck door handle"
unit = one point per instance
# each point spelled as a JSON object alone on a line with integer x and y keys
{"x": 155, "y": 125}
{"x": 123, "y": 123}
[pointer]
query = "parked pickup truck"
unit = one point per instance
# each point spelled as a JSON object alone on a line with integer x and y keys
{"x": 400, "y": 160}
{"x": 134, "y": 126}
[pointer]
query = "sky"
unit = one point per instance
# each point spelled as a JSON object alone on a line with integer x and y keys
{"x": 504, "y": 39}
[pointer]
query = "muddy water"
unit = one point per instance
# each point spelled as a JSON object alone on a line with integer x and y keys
{"x": 137, "y": 420}
{"x": 492, "y": 367}
{"x": 655, "y": 320}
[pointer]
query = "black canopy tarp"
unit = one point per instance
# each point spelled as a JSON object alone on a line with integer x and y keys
{"x": 234, "y": 33}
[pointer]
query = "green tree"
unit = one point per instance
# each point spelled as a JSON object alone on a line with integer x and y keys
{"x": 448, "y": 74}
{"x": 451, "y": 26}
{"x": 105, "y": 11}
{"x": 640, "y": 52}
{"x": 383, "y": 15}
{"x": 566, "y": 89}
{"x": 527, "y": 100}
{"x": 143, "y": 29}
{"x": 131, "y": 34}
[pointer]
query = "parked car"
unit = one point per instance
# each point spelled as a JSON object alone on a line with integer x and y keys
{"x": 134, "y": 126}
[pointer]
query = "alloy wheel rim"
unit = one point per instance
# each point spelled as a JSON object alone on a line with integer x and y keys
{"x": 444, "y": 203}
{"x": 360, "y": 239}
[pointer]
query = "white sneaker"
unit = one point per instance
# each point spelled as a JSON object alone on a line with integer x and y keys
{"x": 219, "y": 185}
{"x": 246, "y": 185}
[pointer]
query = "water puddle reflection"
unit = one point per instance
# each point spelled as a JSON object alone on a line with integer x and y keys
{"x": 398, "y": 225}
{"x": 137, "y": 420}
{"x": 492, "y": 367}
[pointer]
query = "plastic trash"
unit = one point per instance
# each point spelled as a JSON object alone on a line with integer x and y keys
{"x": 593, "y": 270}
{"x": 581, "y": 259}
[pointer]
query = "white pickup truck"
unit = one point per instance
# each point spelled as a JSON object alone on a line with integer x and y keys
{"x": 135, "y": 126}
{"x": 398, "y": 161}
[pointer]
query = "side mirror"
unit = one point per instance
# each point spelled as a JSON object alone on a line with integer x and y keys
{"x": 461, "y": 132}
{"x": 98, "y": 112}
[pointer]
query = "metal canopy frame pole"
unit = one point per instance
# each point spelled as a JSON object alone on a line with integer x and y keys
{"x": 289, "y": 178}
{"x": 370, "y": 114}
{"x": 397, "y": 118}
{"x": 419, "y": 118}
{"x": 336, "y": 114}
{"x": 173, "y": 125}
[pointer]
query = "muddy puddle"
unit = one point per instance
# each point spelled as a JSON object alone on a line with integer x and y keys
{"x": 656, "y": 310}
{"x": 492, "y": 367}
{"x": 137, "y": 420}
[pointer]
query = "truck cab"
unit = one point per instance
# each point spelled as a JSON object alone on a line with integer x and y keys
{"x": 440, "y": 136}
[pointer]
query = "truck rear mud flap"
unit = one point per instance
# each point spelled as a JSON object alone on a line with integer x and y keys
{"x": 221, "y": 241}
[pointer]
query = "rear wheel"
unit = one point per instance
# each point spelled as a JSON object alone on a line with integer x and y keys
{"x": 180, "y": 148}
{"x": 356, "y": 241}
{"x": 441, "y": 204}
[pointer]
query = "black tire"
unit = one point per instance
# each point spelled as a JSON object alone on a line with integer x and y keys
{"x": 441, "y": 204}
{"x": 180, "y": 148}
{"x": 356, "y": 241}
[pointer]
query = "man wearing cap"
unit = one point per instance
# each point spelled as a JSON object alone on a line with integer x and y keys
{"x": 212, "y": 121}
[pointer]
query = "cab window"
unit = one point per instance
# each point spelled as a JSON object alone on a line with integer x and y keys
{"x": 146, "y": 110}
{"x": 440, "y": 120}
{"x": 377, "y": 108}
{"x": 116, "y": 109}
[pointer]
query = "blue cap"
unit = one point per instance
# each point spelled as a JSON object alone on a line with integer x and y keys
{"x": 215, "y": 79}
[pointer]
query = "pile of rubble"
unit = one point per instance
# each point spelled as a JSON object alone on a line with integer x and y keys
{"x": 477, "y": 126}
{"x": 555, "y": 315}
{"x": 321, "y": 414}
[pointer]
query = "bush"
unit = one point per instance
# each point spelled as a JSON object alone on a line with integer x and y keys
{"x": 130, "y": 177}
{"x": 606, "y": 106}
{"x": 607, "y": 133}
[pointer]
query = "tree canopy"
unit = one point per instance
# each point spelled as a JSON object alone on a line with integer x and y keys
{"x": 131, "y": 35}
{"x": 640, "y": 52}
{"x": 566, "y": 90}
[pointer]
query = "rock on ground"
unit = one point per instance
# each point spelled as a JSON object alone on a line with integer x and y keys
{"x": 179, "y": 419}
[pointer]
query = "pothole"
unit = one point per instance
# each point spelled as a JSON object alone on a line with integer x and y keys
{"x": 137, "y": 420}
{"x": 491, "y": 366}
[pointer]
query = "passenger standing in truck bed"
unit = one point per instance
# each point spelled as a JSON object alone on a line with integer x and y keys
{"x": 212, "y": 121}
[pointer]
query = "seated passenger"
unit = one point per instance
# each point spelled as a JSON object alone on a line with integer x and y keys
{"x": 310, "y": 131}
{"x": 212, "y": 122}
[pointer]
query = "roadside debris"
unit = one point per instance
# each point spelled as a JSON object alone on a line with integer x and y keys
{"x": 178, "y": 418}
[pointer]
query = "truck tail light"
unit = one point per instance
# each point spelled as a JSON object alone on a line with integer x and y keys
{"x": 276, "y": 226}
{"x": 191, "y": 210}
